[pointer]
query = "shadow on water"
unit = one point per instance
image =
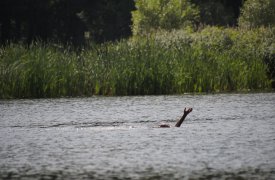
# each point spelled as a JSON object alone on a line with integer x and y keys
{"x": 149, "y": 174}
{"x": 114, "y": 124}
{"x": 106, "y": 124}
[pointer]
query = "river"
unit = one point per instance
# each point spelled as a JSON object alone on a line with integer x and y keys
{"x": 226, "y": 136}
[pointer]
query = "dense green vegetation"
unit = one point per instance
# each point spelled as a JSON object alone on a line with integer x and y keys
{"x": 211, "y": 60}
{"x": 257, "y": 13}
{"x": 173, "y": 50}
{"x": 66, "y": 21}
{"x": 160, "y": 14}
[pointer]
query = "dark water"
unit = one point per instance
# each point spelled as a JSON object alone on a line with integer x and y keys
{"x": 227, "y": 136}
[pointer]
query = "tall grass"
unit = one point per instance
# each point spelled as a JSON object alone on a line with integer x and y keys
{"x": 211, "y": 60}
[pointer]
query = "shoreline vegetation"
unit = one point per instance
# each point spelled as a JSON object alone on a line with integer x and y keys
{"x": 209, "y": 60}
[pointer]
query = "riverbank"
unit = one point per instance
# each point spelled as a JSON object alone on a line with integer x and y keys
{"x": 210, "y": 60}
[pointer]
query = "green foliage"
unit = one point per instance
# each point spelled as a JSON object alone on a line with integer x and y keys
{"x": 256, "y": 13}
{"x": 163, "y": 14}
{"x": 38, "y": 71}
{"x": 64, "y": 20}
{"x": 217, "y": 12}
{"x": 211, "y": 60}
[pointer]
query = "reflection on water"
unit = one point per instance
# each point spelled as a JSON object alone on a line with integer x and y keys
{"x": 226, "y": 136}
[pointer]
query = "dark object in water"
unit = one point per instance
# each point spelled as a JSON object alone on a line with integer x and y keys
{"x": 178, "y": 124}
{"x": 164, "y": 126}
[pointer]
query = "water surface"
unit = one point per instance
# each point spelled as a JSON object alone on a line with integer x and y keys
{"x": 226, "y": 136}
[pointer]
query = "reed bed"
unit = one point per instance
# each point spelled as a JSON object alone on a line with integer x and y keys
{"x": 210, "y": 60}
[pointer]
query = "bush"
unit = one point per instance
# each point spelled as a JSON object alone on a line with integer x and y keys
{"x": 163, "y": 14}
{"x": 256, "y": 13}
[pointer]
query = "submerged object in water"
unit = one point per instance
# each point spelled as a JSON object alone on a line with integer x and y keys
{"x": 164, "y": 126}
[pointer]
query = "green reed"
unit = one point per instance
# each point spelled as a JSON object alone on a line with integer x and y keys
{"x": 211, "y": 60}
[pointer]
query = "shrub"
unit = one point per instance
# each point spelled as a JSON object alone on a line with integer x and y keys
{"x": 163, "y": 14}
{"x": 256, "y": 13}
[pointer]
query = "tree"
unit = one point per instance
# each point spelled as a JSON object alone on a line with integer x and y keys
{"x": 163, "y": 14}
{"x": 64, "y": 21}
{"x": 219, "y": 12}
{"x": 256, "y": 13}
{"x": 108, "y": 20}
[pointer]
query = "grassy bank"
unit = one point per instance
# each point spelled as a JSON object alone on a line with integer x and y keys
{"x": 210, "y": 60}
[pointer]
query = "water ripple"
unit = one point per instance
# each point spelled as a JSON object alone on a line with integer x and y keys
{"x": 227, "y": 136}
